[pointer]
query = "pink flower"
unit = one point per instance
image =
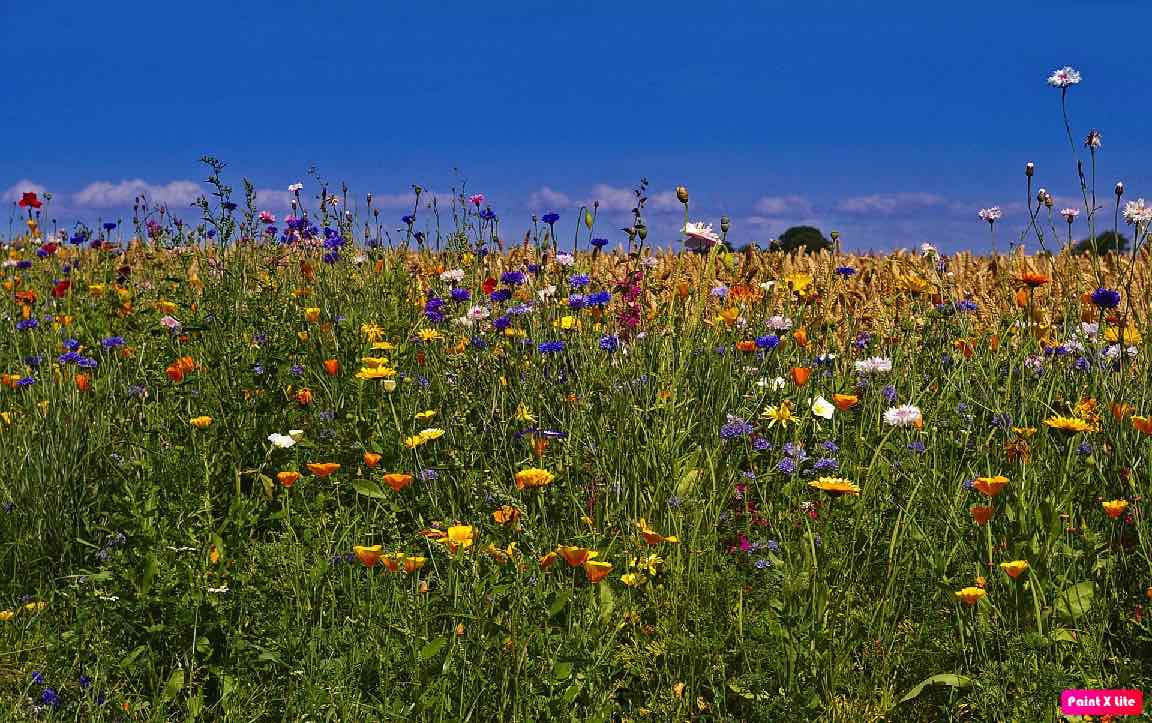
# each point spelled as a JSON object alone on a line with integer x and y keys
{"x": 266, "y": 217}
{"x": 477, "y": 199}
{"x": 1064, "y": 77}
{"x": 1069, "y": 214}
{"x": 171, "y": 323}
{"x": 700, "y": 235}
{"x": 991, "y": 215}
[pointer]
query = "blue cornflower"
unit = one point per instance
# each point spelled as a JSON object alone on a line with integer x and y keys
{"x": 1001, "y": 420}
{"x": 478, "y": 342}
{"x": 863, "y": 339}
{"x": 296, "y": 370}
{"x": 34, "y": 361}
{"x": 520, "y": 309}
{"x": 112, "y": 341}
{"x": 85, "y": 362}
{"x": 550, "y": 218}
{"x": 331, "y": 257}
{"x": 773, "y": 546}
{"x": 27, "y": 324}
{"x": 786, "y": 465}
{"x": 71, "y": 344}
{"x": 37, "y": 677}
{"x": 23, "y": 264}
{"x": 1084, "y": 448}
{"x": 500, "y": 295}
{"x": 577, "y": 302}
{"x": 768, "y": 341}
{"x": 674, "y": 501}
{"x": 599, "y": 298}
{"x": 830, "y": 446}
{"x": 609, "y": 343}
{"x": 488, "y": 214}
{"x": 889, "y": 393}
{"x": 735, "y": 427}
{"x": 429, "y": 474}
{"x": 760, "y": 444}
{"x": 762, "y": 563}
{"x": 85, "y": 682}
{"x": 551, "y": 347}
{"x": 25, "y": 381}
{"x": 533, "y": 268}
{"x": 826, "y": 464}
{"x": 1081, "y": 364}
{"x": 512, "y": 278}
{"x": 460, "y": 295}
{"x": 501, "y": 323}
{"x": 917, "y": 446}
{"x": 1106, "y": 298}
{"x": 49, "y": 697}
{"x": 967, "y": 305}
{"x": 599, "y": 242}
{"x": 578, "y": 280}
{"x": 408, "y": 220}
{"x": 845, "y": 271}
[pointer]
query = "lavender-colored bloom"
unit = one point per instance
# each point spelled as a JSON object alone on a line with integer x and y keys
{"x": 577, "y": 302}
{"x": 49, "y": 697}
{"x": 478, "y": 342}
{"x": 1084, "y": 448}
{"x": 1081, "y": 364}
{"x": 296, "y": 370}
{"x": 917, "y": 446}
{"x": 429, "y": 474}
{"x": 762, "y": 563}
{"x": 1001, "y": 420}
{"x": 830, "y": 446}
{"x": 34, "y": 361}
{"x": 112, "y": 342}
{"x": 37, "y": 676}
{"x": 826, "y": 464}
{"x": 773, "y": 546}
{"x": 760, "y": 444}
{"x": 674, "y": 501}
{"x": 786, "y": 465}
{"x": 889, "y": 393}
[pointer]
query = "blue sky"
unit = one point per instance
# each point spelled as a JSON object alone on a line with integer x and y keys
{"x": 893, "y": 123}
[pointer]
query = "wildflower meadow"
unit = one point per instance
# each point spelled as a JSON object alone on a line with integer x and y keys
{"x": 260, "y": 467}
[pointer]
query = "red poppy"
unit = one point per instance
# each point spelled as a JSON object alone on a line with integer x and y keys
{"x": 489, "y": 285}
{"x": 28, "y": 199}
{"x": 61, "y": 289}
{"x": 49, "y": 248}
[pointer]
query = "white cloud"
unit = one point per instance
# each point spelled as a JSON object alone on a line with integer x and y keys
{"x": 783, "y": 205}
{"x": 889, "y": 204}
{"x": 548, "y": 199}
{"x": 272, "y": 198}
{"x": 104, "y": 194}
{"x": 13, "y": 192}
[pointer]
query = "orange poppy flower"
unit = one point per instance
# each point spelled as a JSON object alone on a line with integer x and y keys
{"x": 596, "y": 570}
{"x": 1142, "y": 424}
{"x": 1032, "y": 279}
{"x": 800, "y": 375}
{"x": 746, "y": 345}
{"x": 412, "y": 564}
{"x": 801, "y": 336}
{"x": 1121, "y": 410}
{"x": 371, "y": 459}
{"x": 990, "y": 486}
{"x": 83, "y": 382}
{"x": 303, "y": 397}
{"x": 982, "y": 513}
{"x": 322, "y": 469}
{"x": 844, "y": 402}
{"x": 548, "y": 560}
{"x": 575, "y": 556}
{"x": 1020, "y": 298}
{"x": 397, "y": 480}
{"x": 332, "y": 367}
{"x": 1114, "y": 508}
{"x": 287, "y": 478}
{"x": 368, "y": 555}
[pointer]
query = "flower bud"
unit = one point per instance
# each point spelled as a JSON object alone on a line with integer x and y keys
{"x": 835, "y": 235}
{"x": 682, "y": 194}
{"x": 1119, "y": 189}
{"x": 641, "y": 231}
{"x": 1029, "y": 169}
{"x": 725, "y": 222}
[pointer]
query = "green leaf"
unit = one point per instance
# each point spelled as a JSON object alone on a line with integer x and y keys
{"x": 607, "y": 601}
{"x": 174, "y": 685}
{"x": 951, "y": 680}
{"x": 562, "y": 670}
{"x": 130, "y": 658}
{"x": 1074, "y": 602}
{"x": 369, "y": 488}
{"x": 688, "y": 482}
{"x": 147, "y": 574}
{"x": 1064, "y": 635}
{"x": 559, "y": 602}
{"x": 432, "y": 648}
{"x": 747, "y": 694}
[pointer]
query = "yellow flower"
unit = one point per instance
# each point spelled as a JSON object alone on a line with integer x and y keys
{"x": 633, "y": 579}
{"x": 426, "y": 414}
{"x": 461, "y": 535}
{"x": 597, "y": 570}
{"x": 567, "y": 323}
{"x": 1024, "y": 432}
{"x": 1015, "y": 569}
{"x": 165, "y": 307}
{"x": 373, "y": 362}
{"x": 990, "y": 486}
{"x": 6, "y": 615}
{"x": 35, "y": 606}
{"x": 1114, "y": 508}
{"x": 371, "y": 332}
{"x": 431, "y": 433}
{"x": 312, "y": 314}
{"x": 650, "y": 564}
{"x": 429, "y": 335}
{"x": 200, "y": 422}
{"x": 779, "y": 414}
{"x": 798, "y": 281}
{"x": 383, "y": 346}
{"x": 523, "y": 414}
{"x": 533, "y": 477}
{"x": 835, "y": 486}
{"x": 369, "y": 555}
{"x": 1131, "y": 335}
{"x": 1070, "y": 425}
{"x": 970, "y": 595}
{"x": 379, "y": 372}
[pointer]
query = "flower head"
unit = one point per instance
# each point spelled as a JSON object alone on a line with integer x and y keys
{"x": 1064, "y": 77}
{"x": 1015, "y": 569}
{"x": 970, "y": 595}
{"x": 905, "y": 415}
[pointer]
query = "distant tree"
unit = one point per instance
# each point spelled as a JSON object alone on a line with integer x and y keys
{"x": 1107, "y": 242}
{"x": 801, "y": 238}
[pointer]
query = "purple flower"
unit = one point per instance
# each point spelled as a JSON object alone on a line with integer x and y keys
{"x": 1106, "y": 298}
{"x": 500, "y": 295}
{"x": 578, "y": 280}
{"x": 550, "y": 218}
{"x": 889, "y": 393}
{"x": 512, "y": 278}
{"x": 609, "y": 343}
{"x": 460, "y": 295}
{"x": 735, "y": 427}
{"x": 769, "y": 341}
{"x": 27, "y": 324}
{"x": 551, "y": 347}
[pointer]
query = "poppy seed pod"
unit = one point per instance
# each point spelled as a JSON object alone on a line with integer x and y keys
{"x": 1029, "y": 169}
{"x": 682, "y": 194}
{"x": 725, "y": 222}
